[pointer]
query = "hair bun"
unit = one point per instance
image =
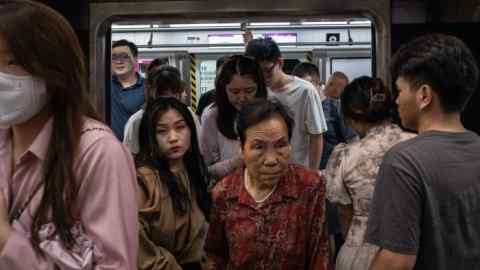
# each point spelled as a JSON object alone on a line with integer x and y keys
{"x": 378, "y": 92}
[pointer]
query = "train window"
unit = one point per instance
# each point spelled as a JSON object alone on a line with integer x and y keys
{"x": 331, "y": 44}
{"x": 353, "y": 67}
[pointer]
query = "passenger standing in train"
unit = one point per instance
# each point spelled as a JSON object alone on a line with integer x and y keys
{"x": 425, "y": 209}
{"x": 209, "y": 97}
{"x": 270, "y": 214}
{"x": 127, "y": 94}
{"x": 162, "y": 81}
{"x": 174, "y": 202}
{"x": 352, "y": 167}
{"x": 67, "y": 186}
{"x": 337, "y": 131}
{"x": 184, "y": 98}
{"x": 239, "y": 81}
{"x": 309, "y": 72}
{"x": 157, "y": 62}
{"x": 132, "y": 127}
{"x": 299, "y": 96}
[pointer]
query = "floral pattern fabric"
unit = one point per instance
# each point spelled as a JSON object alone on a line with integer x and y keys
{"x": 350, "y": 174}
{"x": 287, "y": 231}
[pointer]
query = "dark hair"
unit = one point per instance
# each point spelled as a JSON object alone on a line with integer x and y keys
{"x": 165, "y": 78}
{"x": 220, "y": 61}
{"x": 157, "y": 62}
{"x": 441, "y": 61}
{"x": 227, "y": 114}
{"x": 260, "y": 110}
{"x": 303, "y": 69}
{"x": 49, "y": 34}
{"x": 367, "y": 99}
{"x": 150, "y": 156}
{"x": 263, "y": 49}
{"x": 123, "y": 42}
{"x": 149, "y": 80}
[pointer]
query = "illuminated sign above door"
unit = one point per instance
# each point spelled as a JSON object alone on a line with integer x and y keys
{"x": 227, "y": 38}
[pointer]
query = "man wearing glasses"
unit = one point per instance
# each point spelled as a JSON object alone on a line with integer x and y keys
{"x": 299, "y": 96}
{"x": 127, "y": 92}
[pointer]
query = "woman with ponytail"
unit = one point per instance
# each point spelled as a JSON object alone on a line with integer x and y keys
{"x": 353, "y": 167}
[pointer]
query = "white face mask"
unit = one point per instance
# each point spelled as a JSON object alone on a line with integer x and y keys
{"x": 21, "y": 98}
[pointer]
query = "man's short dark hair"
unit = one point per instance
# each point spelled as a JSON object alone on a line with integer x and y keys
{"x": 123, "y": 42}
{"x": 441, "y": 61}
{"x": 263, "y": 49}
{"x": 306, "y": 69}
{"x": 260, "y": 110}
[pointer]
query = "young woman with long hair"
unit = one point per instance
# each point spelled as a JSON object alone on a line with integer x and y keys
{"x": 239, "y": 81}
{"x": 67, "y": 186}
{"x": 174, "y": 202}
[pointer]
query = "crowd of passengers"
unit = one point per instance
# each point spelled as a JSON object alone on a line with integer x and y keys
{"x": 271, "y": 171}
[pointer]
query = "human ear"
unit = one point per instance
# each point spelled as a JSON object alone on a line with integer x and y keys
{"x": 280, "y": 62}
{"x": 424, "y": 96}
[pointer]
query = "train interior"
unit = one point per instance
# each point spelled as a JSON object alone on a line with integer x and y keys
{"x": 341, "y": 44}
{"x": 393, "y": 23}
{"x": 116, "y": 206}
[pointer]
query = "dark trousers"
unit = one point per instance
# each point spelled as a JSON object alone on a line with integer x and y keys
{"x": 333, "y": 223}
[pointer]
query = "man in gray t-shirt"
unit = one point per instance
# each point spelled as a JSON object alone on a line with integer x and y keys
{"x": 425, "y": 212}
{"x": 304, "y": 102}
{"x": 299, "y": 96}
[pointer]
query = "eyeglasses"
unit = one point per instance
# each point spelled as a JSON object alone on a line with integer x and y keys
{"x": 120, "y": 56}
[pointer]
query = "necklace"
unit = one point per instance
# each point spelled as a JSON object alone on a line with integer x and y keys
{"x": 248, "y": 187}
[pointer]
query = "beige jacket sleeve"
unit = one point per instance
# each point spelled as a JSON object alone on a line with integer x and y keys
{"x": 151, "y": 256}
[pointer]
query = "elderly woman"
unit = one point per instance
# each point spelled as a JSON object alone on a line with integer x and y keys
{"x": 353, "y": 167}
{"x": 269, "y": 214}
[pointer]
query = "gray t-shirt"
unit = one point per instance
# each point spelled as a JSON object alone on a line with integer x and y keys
{"x": 302, "y": 99}
{"x": 427, "y": 201}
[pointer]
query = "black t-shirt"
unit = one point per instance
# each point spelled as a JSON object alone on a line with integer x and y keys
{"x": 427, "y": 201}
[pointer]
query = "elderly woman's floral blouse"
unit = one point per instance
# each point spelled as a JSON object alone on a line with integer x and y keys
{"x": 285, "y": 232}
{"x": 350, "y": 175}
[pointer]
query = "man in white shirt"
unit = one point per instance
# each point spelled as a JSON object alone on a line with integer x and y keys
{"x": 301, "y": 98}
